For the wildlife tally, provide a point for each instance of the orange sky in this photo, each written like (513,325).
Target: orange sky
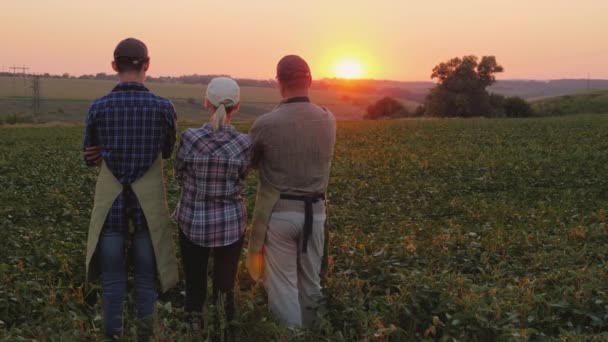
(392,39)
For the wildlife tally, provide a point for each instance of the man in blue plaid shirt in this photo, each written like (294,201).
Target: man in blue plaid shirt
(128,128)
(134,126)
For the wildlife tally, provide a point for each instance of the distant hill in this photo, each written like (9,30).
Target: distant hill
(417,91)
(534,90)
(67,98)
(595,102)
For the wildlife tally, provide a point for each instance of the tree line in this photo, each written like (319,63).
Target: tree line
(461,91)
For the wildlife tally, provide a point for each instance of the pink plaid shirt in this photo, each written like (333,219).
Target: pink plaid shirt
(211,168)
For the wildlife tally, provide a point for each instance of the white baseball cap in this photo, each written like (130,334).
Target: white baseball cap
(223,90)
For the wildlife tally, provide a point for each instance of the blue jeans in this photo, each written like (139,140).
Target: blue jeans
(112,256)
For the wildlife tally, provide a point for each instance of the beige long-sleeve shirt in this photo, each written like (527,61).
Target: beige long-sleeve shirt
(293,147)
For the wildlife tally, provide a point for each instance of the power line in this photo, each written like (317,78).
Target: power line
(36,96)
(23,69)
(14,69)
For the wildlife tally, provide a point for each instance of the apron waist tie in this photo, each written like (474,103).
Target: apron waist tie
(128,196)
(308,202)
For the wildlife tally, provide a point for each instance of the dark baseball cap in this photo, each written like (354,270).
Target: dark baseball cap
(292,68)
(132,49)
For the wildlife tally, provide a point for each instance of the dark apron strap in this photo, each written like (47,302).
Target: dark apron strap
(128,209)
(307,223)
(127,197)
(308,202)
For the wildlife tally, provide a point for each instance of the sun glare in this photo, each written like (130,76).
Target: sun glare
(349,69)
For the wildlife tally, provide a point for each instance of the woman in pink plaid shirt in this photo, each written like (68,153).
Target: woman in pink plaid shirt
(211,165)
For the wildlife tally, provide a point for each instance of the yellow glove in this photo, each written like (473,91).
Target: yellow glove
(255,264)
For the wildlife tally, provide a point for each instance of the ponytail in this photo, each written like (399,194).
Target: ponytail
(219,118)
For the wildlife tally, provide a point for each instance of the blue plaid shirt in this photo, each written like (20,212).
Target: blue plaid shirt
(132,126)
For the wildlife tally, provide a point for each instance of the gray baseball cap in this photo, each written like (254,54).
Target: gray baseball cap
(132,49)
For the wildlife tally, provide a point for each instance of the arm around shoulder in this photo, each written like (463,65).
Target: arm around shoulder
(179,165)
(90,146)
(257,143)
(171,136)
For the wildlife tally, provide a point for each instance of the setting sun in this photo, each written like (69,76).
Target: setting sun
(348,69)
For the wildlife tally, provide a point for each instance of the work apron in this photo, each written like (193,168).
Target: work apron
(150,192)
(266,198)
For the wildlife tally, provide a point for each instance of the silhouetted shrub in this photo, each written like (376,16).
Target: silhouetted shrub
(386,107)
(516,107)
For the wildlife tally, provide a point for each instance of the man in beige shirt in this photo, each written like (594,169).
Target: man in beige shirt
(293,148)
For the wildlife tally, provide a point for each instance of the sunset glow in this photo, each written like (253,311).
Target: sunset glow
(348,69)
(393,40)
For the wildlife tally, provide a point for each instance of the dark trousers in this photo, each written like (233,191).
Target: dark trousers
(225,262)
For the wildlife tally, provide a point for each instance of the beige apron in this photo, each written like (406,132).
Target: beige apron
(150,192)
(266,198)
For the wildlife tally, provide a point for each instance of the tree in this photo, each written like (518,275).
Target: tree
(461,88)
(486,70)
(386,107)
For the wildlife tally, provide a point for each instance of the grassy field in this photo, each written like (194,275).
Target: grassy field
(69,99)
(468,230)
(590,102)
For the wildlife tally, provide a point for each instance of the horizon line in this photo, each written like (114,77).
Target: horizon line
(8,73)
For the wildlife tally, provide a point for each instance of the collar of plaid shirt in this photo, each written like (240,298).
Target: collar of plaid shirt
(226,128)
(126,86)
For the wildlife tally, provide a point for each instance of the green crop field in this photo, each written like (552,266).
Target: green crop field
(68,100)
(449,230)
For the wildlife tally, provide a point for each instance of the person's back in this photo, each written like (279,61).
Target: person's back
(298,139)
(211,168)
(134,126)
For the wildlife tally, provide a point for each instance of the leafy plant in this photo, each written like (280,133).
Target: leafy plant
(11,119)
(468,230)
